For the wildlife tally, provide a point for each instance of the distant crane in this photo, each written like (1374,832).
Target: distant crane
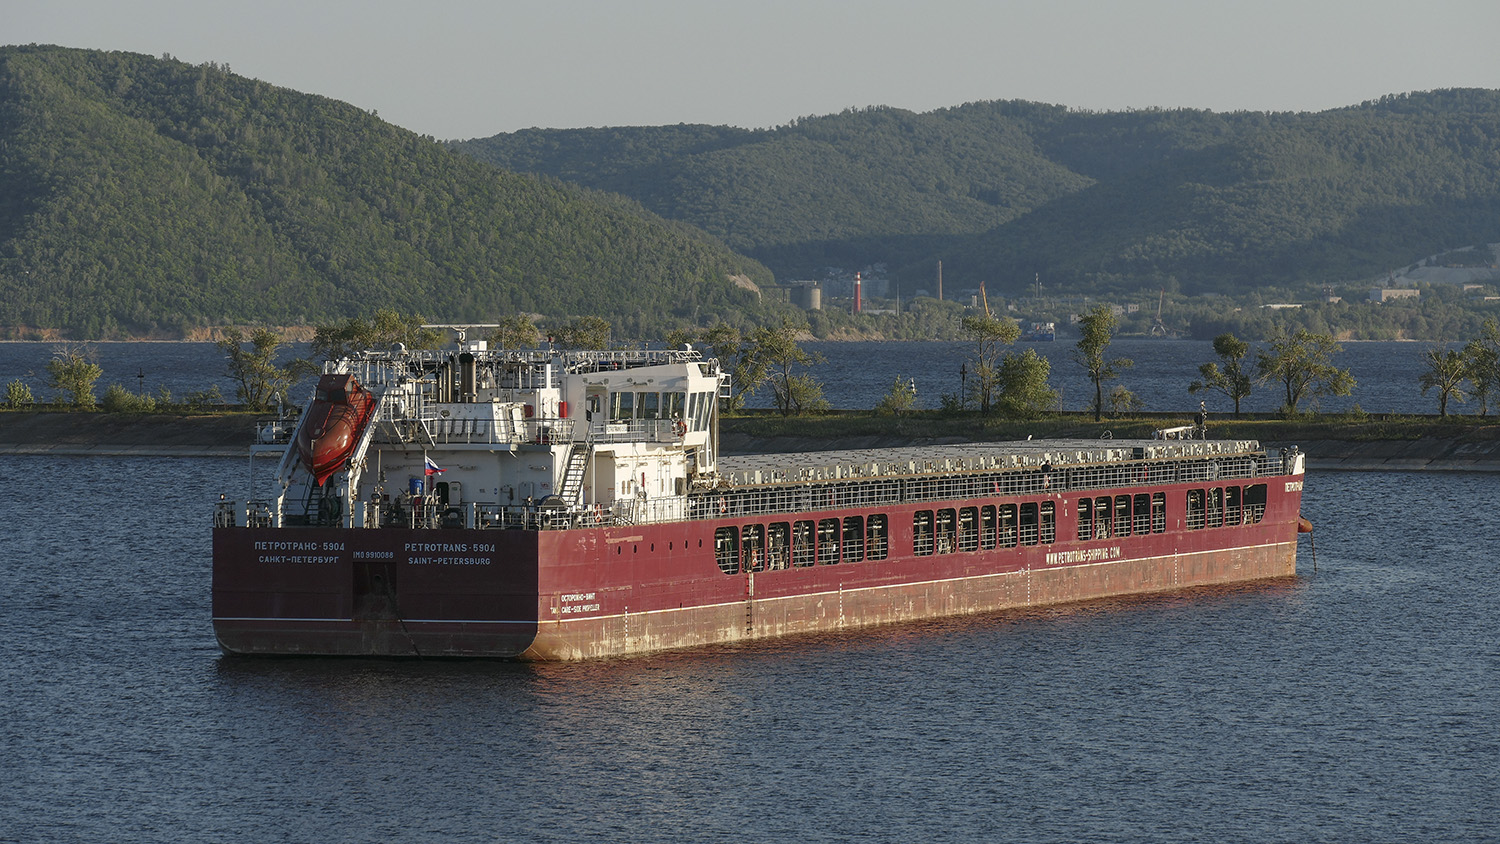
(1159,328)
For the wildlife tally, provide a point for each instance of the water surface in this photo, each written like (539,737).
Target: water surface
(1356,703)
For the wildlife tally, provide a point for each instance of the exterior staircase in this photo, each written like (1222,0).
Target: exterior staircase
(572,484)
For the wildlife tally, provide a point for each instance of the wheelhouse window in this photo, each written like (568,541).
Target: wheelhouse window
(648,405)
(622,407)
(705,410)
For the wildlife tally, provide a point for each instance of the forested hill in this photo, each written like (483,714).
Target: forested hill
(142,195)
(1001,191)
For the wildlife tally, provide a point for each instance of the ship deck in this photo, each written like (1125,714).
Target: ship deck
(794,467)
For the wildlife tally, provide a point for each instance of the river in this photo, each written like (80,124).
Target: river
(1352,703)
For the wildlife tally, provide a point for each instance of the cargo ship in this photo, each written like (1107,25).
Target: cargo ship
(560,505)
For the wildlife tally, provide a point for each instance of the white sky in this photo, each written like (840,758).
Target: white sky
(466,68)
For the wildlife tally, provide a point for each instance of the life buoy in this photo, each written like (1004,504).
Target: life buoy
(679,428)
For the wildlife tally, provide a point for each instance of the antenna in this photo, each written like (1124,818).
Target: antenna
(462,329)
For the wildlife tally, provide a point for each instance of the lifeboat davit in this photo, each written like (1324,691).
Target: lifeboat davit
(332,425)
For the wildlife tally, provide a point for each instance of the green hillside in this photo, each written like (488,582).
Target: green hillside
(1094,202)
(142,195)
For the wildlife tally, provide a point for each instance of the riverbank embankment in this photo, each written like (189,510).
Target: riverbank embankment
(1342,445)
(127,435)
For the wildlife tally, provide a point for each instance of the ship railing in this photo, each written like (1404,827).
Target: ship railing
(376,367)
(275,432)
(227,514)
(776,498)
(533,517)
(492,430)
(603,361)
(540,431)
(259,514)
(634,431)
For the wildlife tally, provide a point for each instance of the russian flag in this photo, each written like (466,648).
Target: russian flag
(432,468)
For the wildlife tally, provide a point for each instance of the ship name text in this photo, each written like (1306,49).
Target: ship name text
(268,545)
(1083,555)
(450,547)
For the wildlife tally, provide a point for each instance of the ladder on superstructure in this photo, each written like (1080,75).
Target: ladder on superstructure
(578,462)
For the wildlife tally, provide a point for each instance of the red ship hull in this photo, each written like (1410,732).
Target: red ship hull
(592,592)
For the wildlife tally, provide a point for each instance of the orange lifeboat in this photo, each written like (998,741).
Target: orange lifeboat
(333,423)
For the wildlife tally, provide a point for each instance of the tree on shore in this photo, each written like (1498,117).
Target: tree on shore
(258,378)
(383,331)
(901,398)
(1482,360)
(18,395)
(735,354)
(516,331)
(588,332)
(1447,371)
(1229,375)
(778,351)
(73,373)
(1024,392)
(1303,363)
(990,335)
(1091,352)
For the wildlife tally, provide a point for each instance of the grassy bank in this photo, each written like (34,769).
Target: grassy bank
(839,429)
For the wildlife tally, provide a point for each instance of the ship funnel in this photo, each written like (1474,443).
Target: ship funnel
(467,378)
